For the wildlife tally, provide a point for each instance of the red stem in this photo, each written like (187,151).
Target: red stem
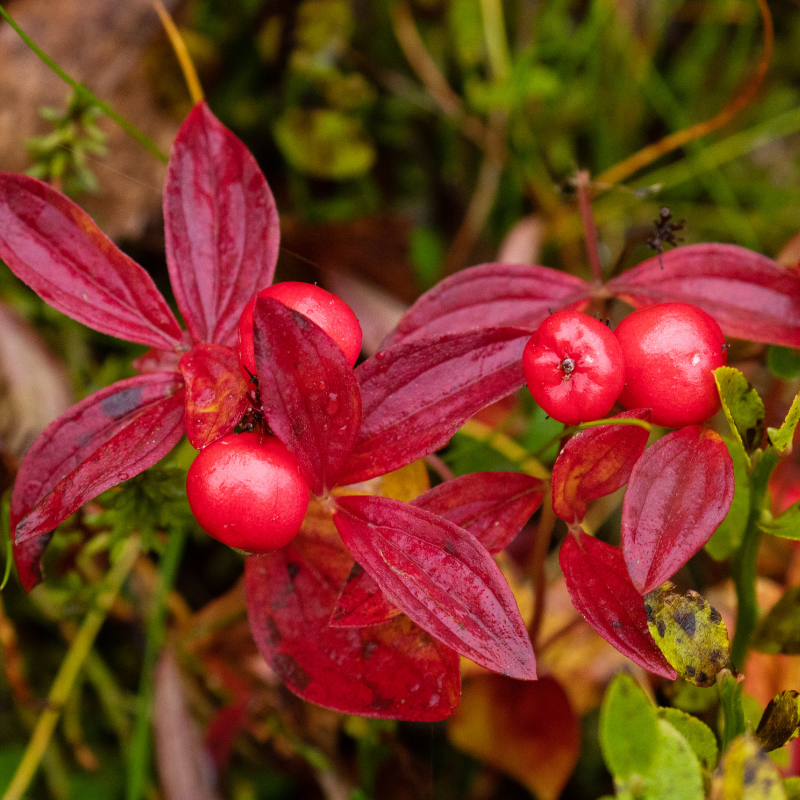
(589,228)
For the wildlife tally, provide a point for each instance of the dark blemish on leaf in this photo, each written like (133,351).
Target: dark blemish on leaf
(292,569)
(367,649)
(750,773)
(121,403)
(715,617)
(702,678)
(274,634)
(649,611)
(714,656)
(661,628)
(290,671)
(616,624)
(687,621)
(450,548)
(690,671)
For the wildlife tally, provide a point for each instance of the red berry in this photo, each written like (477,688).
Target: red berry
(670,350)
(574,368)
(247,491)
(333,315)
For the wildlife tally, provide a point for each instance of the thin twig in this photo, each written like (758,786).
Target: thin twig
(544,535)
(130,129)
(589,228)
(70,669)
(182,54)
(623,170)
(482,200)
(426,69)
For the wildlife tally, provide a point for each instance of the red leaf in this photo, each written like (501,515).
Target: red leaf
(490,295)
(417,395)
(394,671)
(107,438)
(361,602)
(28,559)
(749,295)
(492,506)
(441,577)
(596,462)
(309,392)
(601,589)
(54,246)
(221,227)
(216,392)
(679,492)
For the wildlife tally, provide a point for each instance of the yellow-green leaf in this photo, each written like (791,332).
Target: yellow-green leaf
(690,633)
(743,408)
(746,772)
(628,729)
(787,525)
(675,773)
(782,437)
(699,736)
(780,722)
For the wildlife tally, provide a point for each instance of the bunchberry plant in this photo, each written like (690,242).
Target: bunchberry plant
(430,560)
(574,368)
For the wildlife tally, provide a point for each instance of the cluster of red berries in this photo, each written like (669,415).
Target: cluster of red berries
(247,489)
(660,357)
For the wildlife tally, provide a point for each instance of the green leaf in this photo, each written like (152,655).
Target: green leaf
(787,525)
(743,408)
(792,788)
(690,633)
(747,773)
(728,536)
(730,698)
(324,143)
(675,773)
(780,722)
(783,362)
(782,437)
(628,729)
(779,630)
(699,736)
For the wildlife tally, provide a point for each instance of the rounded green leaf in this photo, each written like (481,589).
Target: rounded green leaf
(628,729)
(699,736)
(675,773)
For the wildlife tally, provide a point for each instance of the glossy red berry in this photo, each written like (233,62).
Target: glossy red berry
(247,491)
(670,350)
(333,315)
(573,366)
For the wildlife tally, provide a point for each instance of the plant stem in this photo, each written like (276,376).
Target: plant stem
(589,227)
(494,28)
(744,562)
(70,668)
(181,53)
(140,746)
(128,127)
